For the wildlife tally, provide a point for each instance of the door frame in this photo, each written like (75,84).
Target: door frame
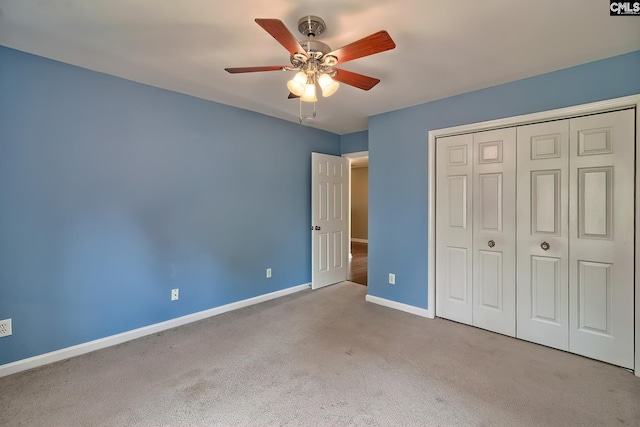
(632,101)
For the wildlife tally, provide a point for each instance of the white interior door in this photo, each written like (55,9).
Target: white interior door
(494,230)
(454,227)
(329,219)
(543,236)
(601,243)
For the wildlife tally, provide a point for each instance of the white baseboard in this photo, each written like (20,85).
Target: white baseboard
(77,350)
(400,306)
(360,240)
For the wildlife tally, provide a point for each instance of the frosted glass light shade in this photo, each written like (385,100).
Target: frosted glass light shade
(297,84)
(309,94)
(328,85)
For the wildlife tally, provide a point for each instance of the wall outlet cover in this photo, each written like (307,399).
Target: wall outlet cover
(5,328)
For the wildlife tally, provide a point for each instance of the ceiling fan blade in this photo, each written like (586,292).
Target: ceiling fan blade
(279,31)
(293,96)
(256,69)
(375,43)
(354,79)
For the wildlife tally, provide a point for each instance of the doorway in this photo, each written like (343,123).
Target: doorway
(358,216)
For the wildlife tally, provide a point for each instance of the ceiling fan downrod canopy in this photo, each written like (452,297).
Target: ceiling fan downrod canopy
(311,26)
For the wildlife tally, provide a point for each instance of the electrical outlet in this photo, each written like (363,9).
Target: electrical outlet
(392,279)
(175,294)
(268,273)
(5,328)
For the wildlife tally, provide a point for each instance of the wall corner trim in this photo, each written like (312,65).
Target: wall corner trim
(77,350)
(400,306)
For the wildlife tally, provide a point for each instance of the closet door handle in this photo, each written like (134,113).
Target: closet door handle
(545,246)
(491,243)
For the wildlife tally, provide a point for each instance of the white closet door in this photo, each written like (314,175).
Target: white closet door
(454,228)
(601,244)
(543,235)
(494,230)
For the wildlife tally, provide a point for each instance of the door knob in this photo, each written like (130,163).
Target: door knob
(545,246)
(491,243)
(317,228)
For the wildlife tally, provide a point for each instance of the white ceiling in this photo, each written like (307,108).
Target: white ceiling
(443,48)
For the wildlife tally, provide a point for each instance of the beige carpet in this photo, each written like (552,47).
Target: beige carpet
(323,358)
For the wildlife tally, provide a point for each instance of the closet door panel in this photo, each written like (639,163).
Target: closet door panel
(542,266)
(494,230)
(454,228)
(601,256)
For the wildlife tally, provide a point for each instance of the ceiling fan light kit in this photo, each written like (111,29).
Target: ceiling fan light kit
(328,85)
(297,83)
(315,61)
(309,94)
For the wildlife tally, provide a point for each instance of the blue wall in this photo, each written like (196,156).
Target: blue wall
(112,193)
(354,142)
(398,160)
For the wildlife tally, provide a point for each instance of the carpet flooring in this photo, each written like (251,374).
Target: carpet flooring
(323,358)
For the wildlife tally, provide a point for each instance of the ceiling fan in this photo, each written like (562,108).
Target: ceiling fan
(315,61)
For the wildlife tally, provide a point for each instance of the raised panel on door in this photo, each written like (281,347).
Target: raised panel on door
(494,230)
(601,257)
(489,285)
(322,216)
(594,297)
(457,195)
(542,247)
(338,245)
(546,287)
(322,247)
(453,228)
(456,275)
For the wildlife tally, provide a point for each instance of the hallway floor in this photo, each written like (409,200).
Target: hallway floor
(358,264)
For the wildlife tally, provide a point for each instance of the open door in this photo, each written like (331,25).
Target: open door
(329,219)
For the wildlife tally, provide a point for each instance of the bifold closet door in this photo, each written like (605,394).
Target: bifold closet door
(576,235)
(454,228)
(543,235)
(475,226)
(601,237)
(494,230)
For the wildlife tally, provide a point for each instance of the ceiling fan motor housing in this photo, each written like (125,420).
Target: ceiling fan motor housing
(315,50)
